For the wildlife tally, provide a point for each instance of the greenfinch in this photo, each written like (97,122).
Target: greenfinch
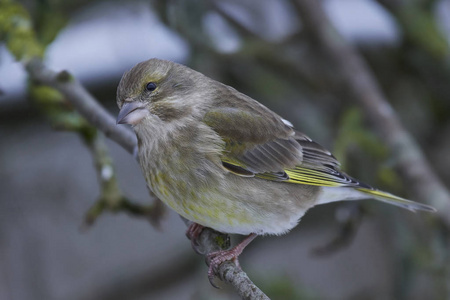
(223,160)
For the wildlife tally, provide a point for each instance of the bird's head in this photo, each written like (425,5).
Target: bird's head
(155,87)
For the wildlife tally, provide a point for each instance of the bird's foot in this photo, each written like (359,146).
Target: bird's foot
(218,257)
(193,233)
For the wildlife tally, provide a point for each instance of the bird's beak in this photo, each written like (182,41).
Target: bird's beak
(132,113)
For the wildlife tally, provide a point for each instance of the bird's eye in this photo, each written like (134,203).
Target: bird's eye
(151,86)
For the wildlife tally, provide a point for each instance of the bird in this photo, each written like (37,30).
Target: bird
(224,161)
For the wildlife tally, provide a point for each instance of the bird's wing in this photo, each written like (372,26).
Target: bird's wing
(259,143)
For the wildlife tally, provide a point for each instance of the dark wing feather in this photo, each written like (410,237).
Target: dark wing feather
(273,156)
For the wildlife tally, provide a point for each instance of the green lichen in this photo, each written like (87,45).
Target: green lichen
(48,20)
(64,76)
(420,26)
(223,241)
(17,32)
(45,95)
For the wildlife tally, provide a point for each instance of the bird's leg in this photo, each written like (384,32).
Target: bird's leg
(193,233)
(218,257)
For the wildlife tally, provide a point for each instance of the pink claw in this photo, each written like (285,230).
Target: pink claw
(218,257)
(193,233)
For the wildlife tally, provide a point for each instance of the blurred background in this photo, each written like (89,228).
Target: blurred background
(48,178)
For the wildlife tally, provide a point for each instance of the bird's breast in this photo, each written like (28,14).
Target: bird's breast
(180,162)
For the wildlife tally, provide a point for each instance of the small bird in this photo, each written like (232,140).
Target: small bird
(223,160)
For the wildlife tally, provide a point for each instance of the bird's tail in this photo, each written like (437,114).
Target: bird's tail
(331,194)
(395,200)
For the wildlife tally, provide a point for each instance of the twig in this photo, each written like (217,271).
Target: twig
(111,198)
(356,78)
(84,103)
(95,114)
(228,271)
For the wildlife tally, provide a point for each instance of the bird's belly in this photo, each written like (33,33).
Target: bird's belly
(232,204)
(207,204)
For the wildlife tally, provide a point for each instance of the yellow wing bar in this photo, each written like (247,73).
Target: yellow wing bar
(321,178)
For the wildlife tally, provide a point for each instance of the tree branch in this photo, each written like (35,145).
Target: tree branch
(97,116)
(356,78)
(227,271)
(84,103)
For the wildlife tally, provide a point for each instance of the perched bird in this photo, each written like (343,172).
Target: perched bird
(224,161)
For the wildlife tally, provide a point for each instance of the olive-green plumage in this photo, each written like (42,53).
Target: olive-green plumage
(223,160)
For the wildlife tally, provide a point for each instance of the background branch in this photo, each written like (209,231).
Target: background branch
(356,78)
